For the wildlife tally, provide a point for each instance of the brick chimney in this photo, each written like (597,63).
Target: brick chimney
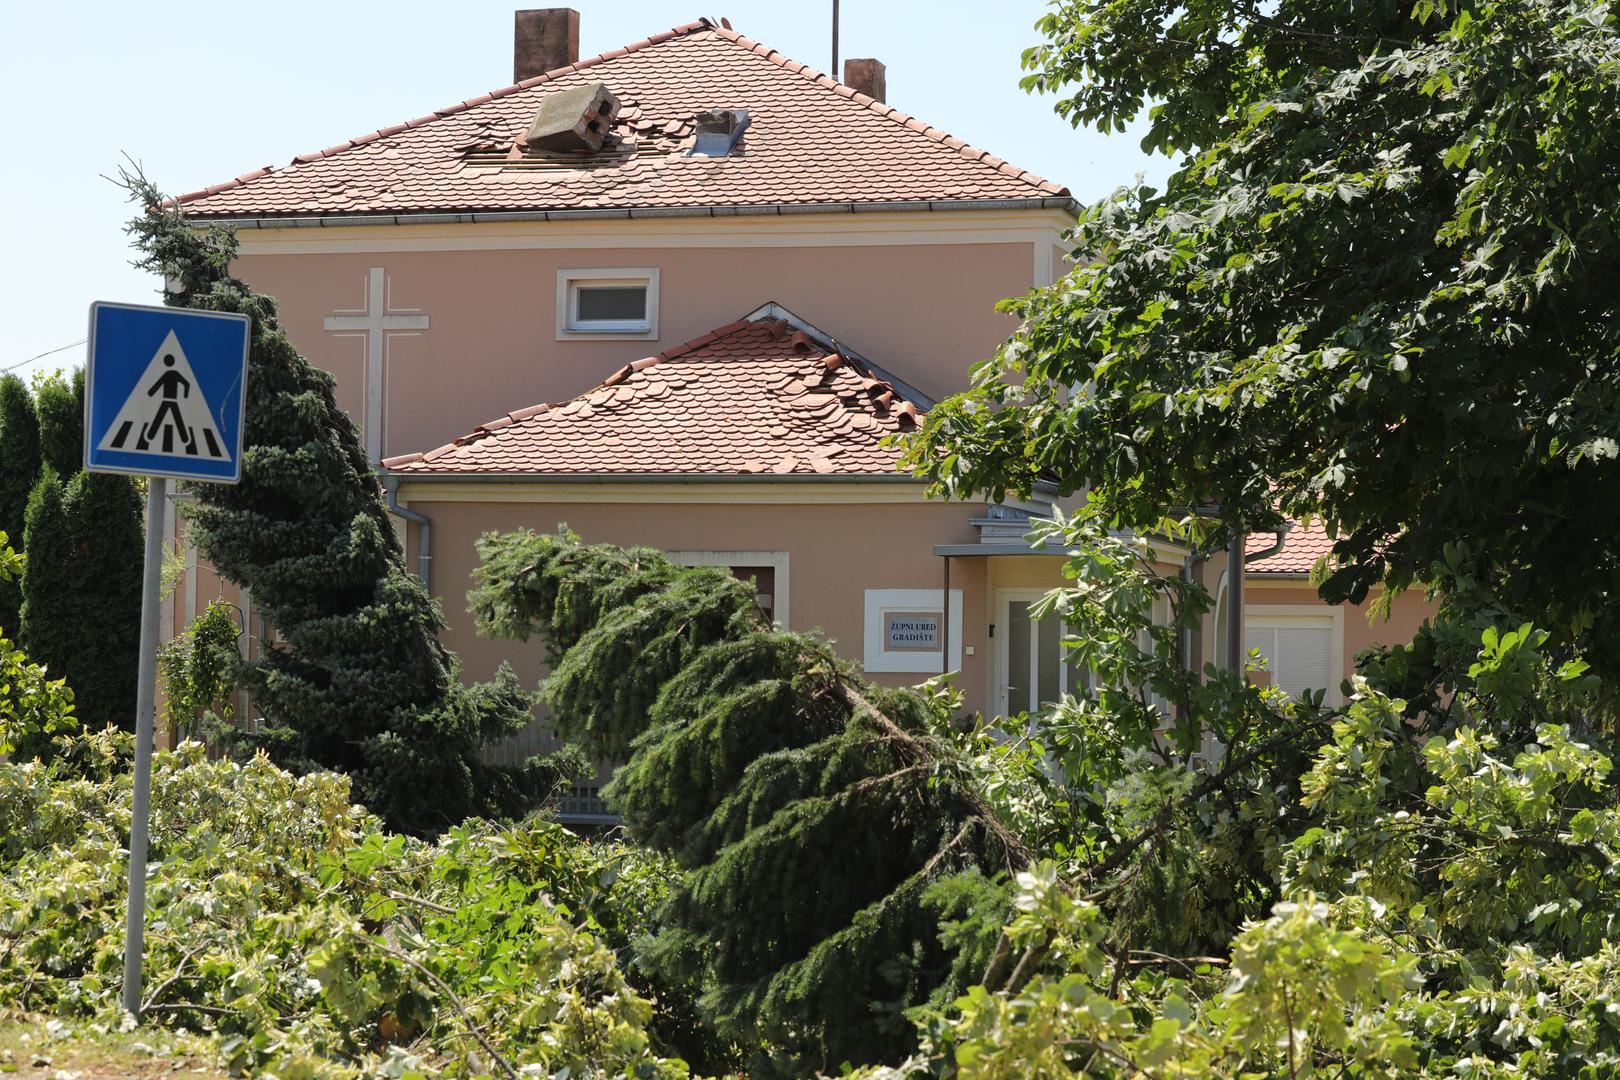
(868,76)
(543,39)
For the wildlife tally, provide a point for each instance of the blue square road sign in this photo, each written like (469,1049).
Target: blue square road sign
(164,391)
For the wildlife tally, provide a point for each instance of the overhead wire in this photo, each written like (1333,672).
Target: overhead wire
(41,356)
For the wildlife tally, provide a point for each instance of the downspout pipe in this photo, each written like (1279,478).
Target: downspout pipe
(1237,562)
(1268,552)
(1195,556)
(1234,600)
(1237,559)
(424,526)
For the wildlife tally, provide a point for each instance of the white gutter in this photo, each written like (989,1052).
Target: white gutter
(424,524)
(272,221)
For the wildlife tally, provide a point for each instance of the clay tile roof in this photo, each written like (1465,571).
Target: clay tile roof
(740,399)
(808,141)
(1304,545)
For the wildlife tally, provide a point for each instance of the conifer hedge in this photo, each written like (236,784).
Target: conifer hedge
(19,468)
(82,590)
(59,400)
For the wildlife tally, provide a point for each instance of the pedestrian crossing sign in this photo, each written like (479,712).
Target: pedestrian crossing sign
(164,392)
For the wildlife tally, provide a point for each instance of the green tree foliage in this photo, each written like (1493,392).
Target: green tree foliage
(1339,894)
(59,399)
(48,580)
(19,468)
(82,592)
(812,810)
(285,923)
(33,706)
(358,681)
(1379,290)
(199,671)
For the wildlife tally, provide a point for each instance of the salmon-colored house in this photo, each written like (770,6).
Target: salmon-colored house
(678,294)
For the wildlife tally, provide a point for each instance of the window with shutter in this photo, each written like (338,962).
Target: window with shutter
(1301,651)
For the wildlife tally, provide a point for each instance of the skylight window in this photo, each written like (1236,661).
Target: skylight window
(607,303)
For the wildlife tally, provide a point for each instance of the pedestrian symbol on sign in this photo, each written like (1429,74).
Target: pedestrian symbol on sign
(162,414)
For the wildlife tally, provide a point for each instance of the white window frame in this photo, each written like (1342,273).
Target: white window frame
(776,560)
(881,601)
(1217,620)
(569,326)
(1000,676)
(1283,616)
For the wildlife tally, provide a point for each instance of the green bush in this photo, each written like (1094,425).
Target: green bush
(19,468)
(32,705)
(199,671)
(289,924)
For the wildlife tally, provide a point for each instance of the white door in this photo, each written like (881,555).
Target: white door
(1031,670)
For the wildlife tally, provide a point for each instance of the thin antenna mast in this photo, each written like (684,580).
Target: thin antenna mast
(834,73)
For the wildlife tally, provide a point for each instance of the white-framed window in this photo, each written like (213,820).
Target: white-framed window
(767,569)
(1303,646)
(607,302)
(904,629)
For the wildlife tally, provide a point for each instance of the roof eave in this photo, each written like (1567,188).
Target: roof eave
(411,476)
(1063,203)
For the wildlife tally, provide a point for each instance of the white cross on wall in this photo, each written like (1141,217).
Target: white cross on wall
(377,321)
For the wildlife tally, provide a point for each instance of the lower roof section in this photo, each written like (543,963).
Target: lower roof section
(766,396)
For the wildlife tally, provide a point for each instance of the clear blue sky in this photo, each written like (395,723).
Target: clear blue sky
(199,92)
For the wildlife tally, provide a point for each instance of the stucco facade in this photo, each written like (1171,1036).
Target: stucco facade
(914,292)
(917,296)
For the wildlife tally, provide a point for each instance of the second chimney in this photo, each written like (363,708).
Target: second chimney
(544,39)
(868,76)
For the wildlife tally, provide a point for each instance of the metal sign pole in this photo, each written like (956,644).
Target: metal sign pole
(157,488)
(165,390)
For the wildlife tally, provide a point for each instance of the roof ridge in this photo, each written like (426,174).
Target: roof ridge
(906,120)
(451,110)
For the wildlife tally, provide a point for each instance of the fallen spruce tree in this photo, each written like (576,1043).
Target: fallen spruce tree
(813,810)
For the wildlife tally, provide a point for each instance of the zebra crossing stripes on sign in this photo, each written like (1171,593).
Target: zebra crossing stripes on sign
(163,409)
(164,392)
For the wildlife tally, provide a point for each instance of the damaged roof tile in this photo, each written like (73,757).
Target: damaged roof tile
(775,405)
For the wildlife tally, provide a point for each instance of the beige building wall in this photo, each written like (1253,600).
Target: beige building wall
(914,293)
(924,312)
(836,551)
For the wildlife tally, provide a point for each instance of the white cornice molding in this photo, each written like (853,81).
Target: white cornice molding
(1045,227)
(420,490)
